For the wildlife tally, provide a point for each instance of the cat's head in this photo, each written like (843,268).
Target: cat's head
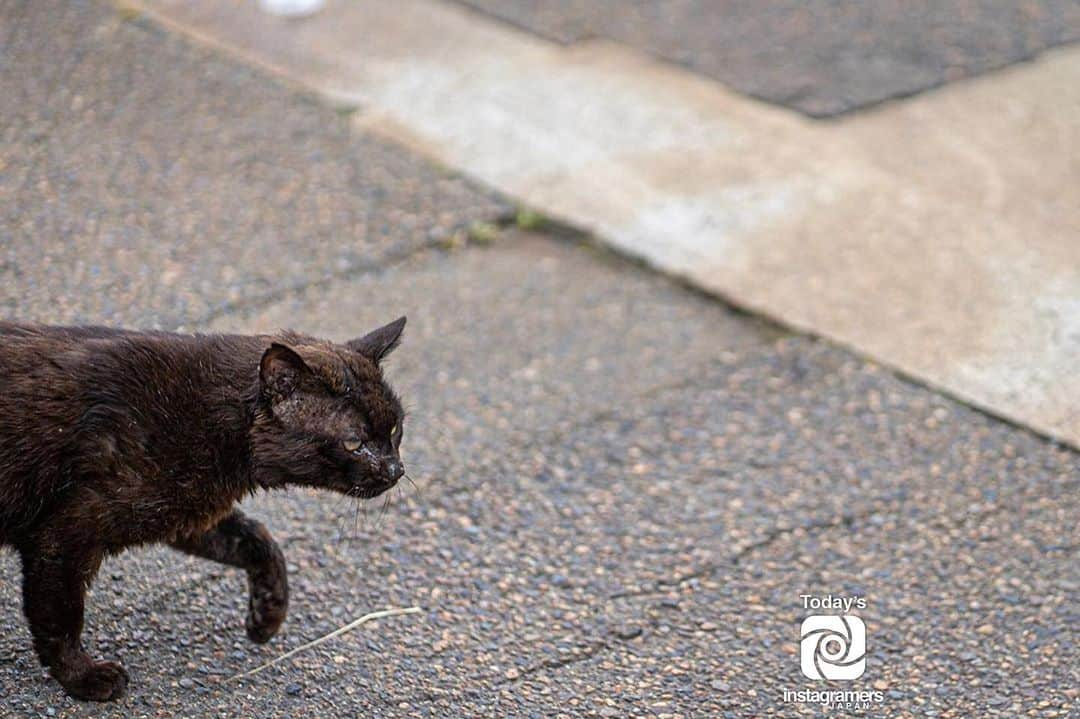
(326,418)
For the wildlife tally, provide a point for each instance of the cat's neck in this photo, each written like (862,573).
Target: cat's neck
(225,370)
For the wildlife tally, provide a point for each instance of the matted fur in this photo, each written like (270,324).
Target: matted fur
(114,438)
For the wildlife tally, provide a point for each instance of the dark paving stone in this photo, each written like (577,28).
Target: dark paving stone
(821,57)
(144,181)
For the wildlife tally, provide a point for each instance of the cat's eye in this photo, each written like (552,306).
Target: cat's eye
(396,429)
(352,445)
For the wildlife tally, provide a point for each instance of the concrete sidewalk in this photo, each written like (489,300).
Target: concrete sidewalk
(623,485)
(938,235)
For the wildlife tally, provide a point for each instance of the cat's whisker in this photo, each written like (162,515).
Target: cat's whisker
(382,510)
(356,517)
(349,499)
(419,491)
(343,514)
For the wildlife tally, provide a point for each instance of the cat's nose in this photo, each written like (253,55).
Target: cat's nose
(395,469)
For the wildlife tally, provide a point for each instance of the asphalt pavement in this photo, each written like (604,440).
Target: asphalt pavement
(146,181)
(622,486)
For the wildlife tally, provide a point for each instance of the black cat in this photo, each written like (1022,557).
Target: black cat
(113,438)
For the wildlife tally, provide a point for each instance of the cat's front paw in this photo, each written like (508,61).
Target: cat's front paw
(266,612)
(95,681)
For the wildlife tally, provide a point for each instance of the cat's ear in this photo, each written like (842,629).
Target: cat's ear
(381,342)
(281,369)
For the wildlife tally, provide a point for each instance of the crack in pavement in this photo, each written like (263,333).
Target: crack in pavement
(846,520)
(436,244)
(596,647)
(359,269)
(577,654)
(592,646)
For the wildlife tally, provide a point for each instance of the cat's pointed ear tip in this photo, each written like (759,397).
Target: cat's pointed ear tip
(381,342)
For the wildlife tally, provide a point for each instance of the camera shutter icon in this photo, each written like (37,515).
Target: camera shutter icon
(833,646)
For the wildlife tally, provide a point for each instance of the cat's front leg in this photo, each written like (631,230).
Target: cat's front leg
(245,543)
(56,574)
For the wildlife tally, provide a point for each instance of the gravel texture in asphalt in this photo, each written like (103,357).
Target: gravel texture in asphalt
(149,182)
(591,538)
(820,57)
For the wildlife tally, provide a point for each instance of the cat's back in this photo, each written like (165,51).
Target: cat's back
(50,377)
(31,349)
(53,374)
(41,363)
(30,357)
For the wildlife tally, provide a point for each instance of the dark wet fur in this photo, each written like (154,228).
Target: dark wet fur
(111,439)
